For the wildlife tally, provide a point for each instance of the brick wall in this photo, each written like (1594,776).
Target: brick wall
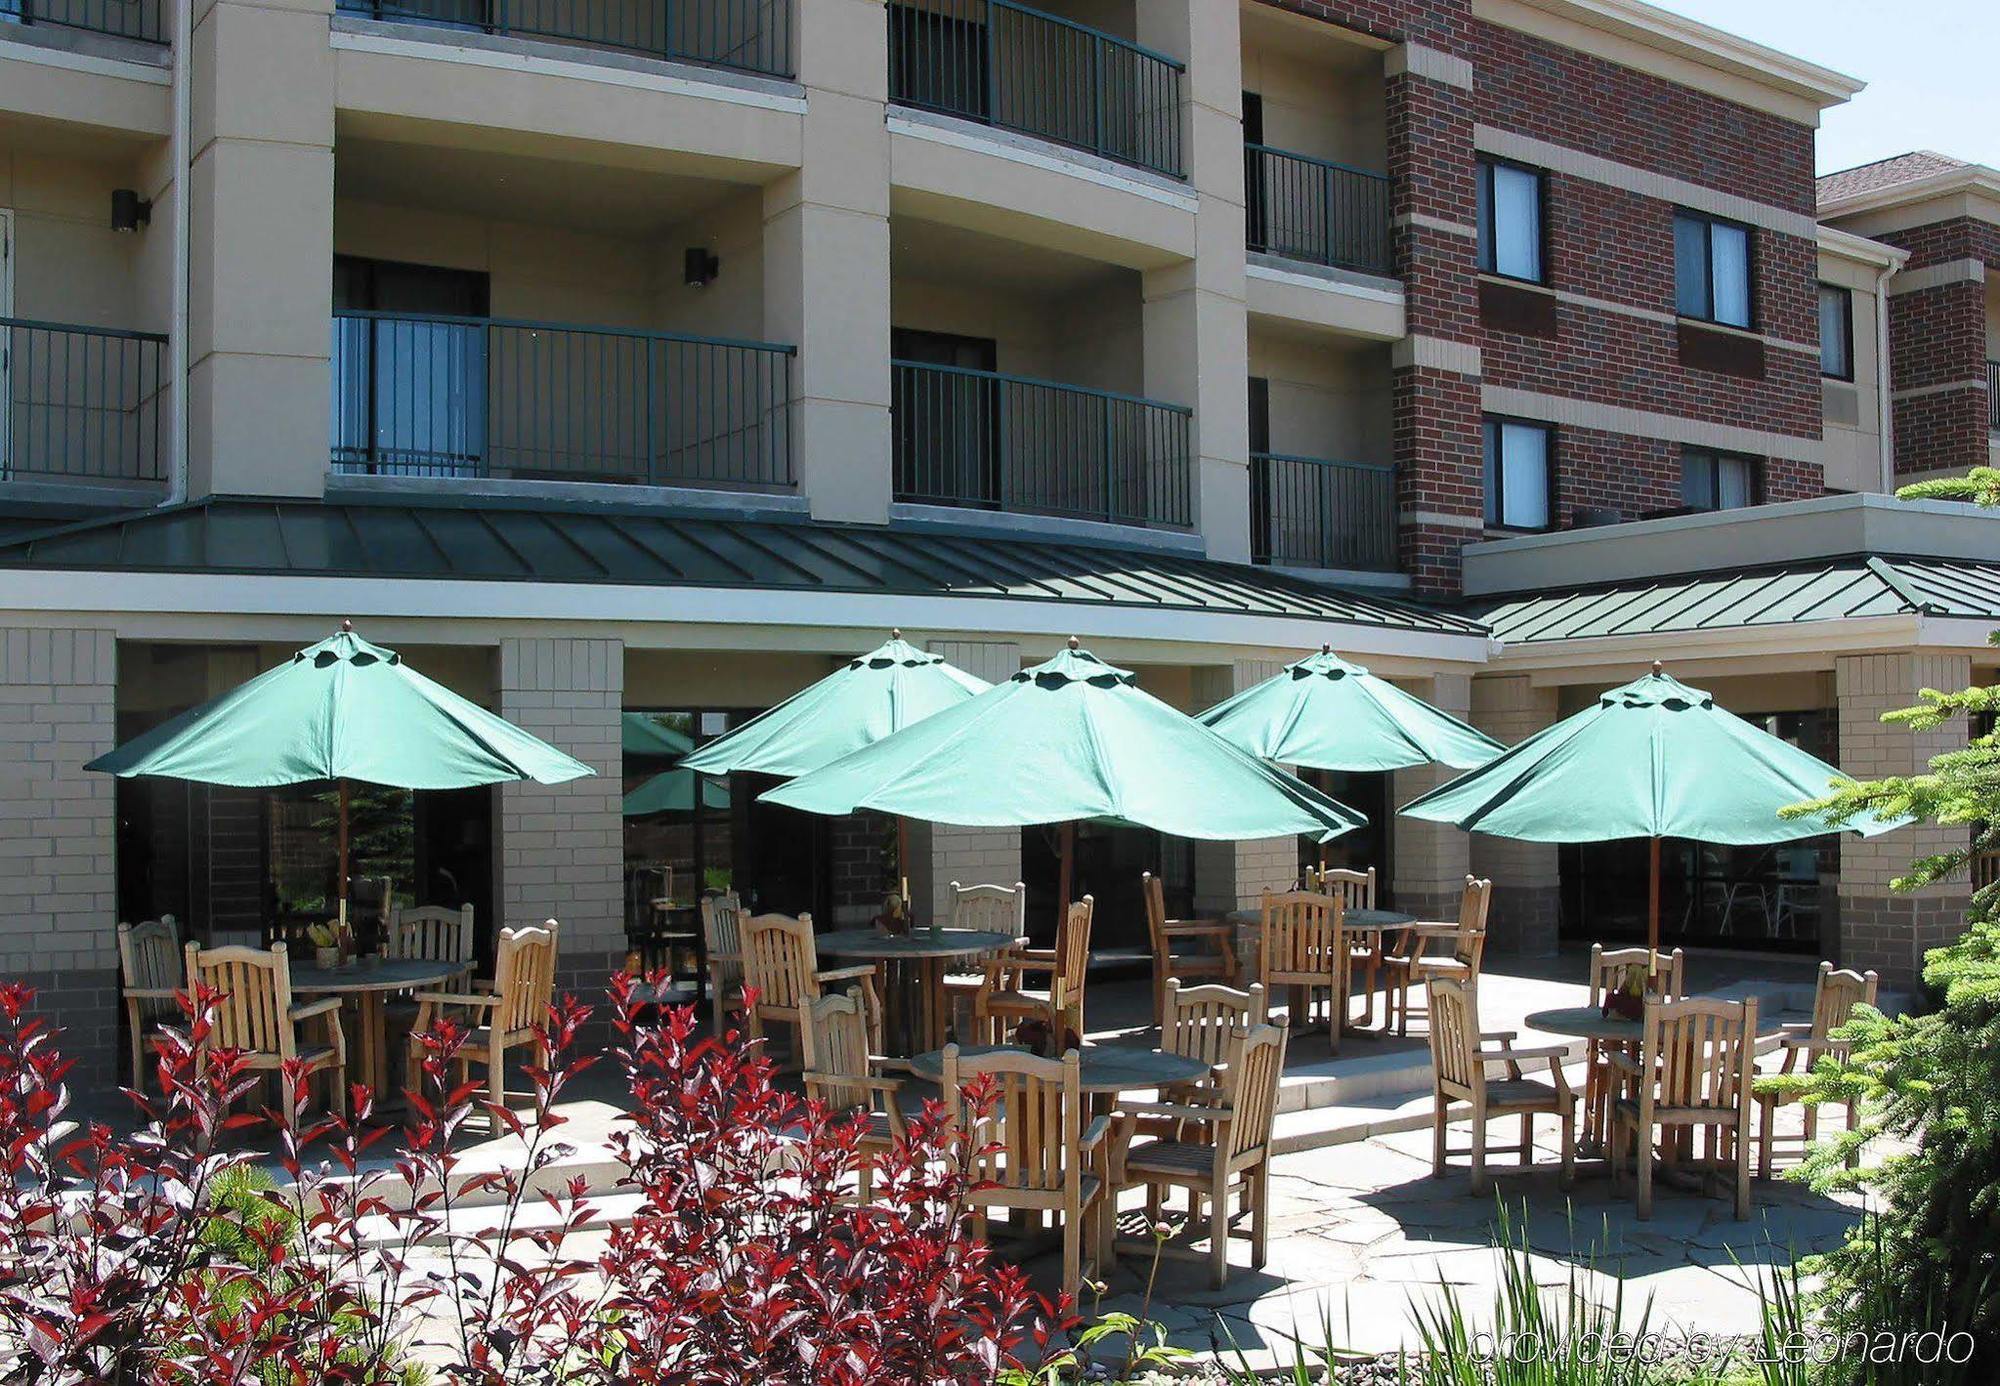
(58,874)
(1431,859)
(1937,344)
(1525,914)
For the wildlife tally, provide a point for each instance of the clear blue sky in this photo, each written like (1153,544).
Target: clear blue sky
(1930,66)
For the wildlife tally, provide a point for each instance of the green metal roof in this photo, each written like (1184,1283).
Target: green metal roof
(1819,591)
(498,541)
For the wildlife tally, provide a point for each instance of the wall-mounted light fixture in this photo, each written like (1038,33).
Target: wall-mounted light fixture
(129,211)
(699,267)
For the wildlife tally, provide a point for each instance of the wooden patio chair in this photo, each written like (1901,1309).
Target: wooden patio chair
(1356,890)
(1033,1151)
(1304,947)
(995,909)
(257,1017)
(1234,1156)
(843,1073)
(1419,955)
(781,965)
(1696,1064)
(722,942)
(1835,995)
(152,970)
(431,933)
(1666,979)
(1009,995)
(1459,1059)
(512,1015)
(1202,1023)
(1216,961)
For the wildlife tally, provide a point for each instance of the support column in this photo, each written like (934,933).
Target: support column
(561,847)
(1880,928)
(58,872)
(941,853)
(261,201)
(826,264)
(1526,876)
(1431,860)
(1235,875)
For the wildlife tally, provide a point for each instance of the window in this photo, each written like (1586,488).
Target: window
(1717,480)
(1518,475)
(1510,221)
(1836,332)
(1712,269)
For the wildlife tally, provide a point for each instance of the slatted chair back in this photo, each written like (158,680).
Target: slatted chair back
(1302,936)
(1836,995)
(1667,978)
(430,932)
(722,934)
(1704,1051)
(255,990)
(1072,968)
(834,1040)
(779,961)
(1201,1022)
(995,909)
(1155,896)
(150,958)
(1033,1129)
(524,977)
(1256,1062)
(1473,904)
(1454,1027)
(1356,889)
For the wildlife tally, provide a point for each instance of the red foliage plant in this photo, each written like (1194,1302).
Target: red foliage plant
(738,1253)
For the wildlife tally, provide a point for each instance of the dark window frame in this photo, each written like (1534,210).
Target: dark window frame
(1846,329)
(1485,249)
(1494,513)
(1718,456)
(1709,221)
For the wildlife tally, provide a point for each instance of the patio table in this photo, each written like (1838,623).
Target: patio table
(369,980)
(1369,923)
(914,962)
(1104,1070)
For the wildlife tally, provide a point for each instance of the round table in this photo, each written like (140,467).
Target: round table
(914,990)
(1588,1022)
(1360,921)
(370,980)
(1104,1070)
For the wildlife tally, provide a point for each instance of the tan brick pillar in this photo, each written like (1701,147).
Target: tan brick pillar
(1880,928)
(941,853)
(561,848)
(1430,860)
(1235,875)
(58,872)
(1527,883)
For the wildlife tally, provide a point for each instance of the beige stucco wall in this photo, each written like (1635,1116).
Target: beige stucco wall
(1319,100)
(1325,401)
(1091,336)
(1853,410)
(69,265)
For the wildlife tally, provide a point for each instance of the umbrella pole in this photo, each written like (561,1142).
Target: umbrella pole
(1653,901)
(903,857)
(1066,837)
(340,884)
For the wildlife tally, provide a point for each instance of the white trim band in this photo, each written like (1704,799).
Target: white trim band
(1643,423)
(1938,276)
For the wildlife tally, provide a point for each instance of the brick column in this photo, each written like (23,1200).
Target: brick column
(1880,928)
(941,853)
(561,847)
(1527,884)
(58,872)
(1937,353)
(1235,875)
(1430,859)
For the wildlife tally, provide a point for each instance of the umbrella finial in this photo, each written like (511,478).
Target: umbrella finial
(1074,645)
(346,626)
(1325,648)
(1658,668)
(895,632)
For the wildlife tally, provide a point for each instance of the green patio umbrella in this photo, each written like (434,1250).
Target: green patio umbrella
(672,791)
(645,734)
(1653,759)
(341,710)
(1072,738)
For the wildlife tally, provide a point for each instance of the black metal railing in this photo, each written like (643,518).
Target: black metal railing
(1993,396)
(1001,442)
(1311,209)
(1020,69)
(1308,512)
(748,35)
(418,395)
(133,19)
(82,403)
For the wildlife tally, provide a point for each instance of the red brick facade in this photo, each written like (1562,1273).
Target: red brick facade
(1938,349)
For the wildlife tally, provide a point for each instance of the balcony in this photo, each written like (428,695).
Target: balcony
(81,405)
(133,19)
(1008,66)
(986,441)
(1301,208)
(495,398)
(1309,512)
(745,35)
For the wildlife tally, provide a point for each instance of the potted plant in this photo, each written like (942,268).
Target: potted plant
(326,947)
(1627,999)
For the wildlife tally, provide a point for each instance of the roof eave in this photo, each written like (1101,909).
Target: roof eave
(1976,179)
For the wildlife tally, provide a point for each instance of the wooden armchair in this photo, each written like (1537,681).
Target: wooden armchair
(781,965)
(846,1076)
(1201,1022)
(1304,948)
(1010,993)
(434,934)
(1665,978)
(993,909)
(1835,996)
(1696,1064)
(722,943)
(152,970)
(1459,1060)
(257,1016)
(1216,961)
(1356,890)
(1032,1151)
(1427,950)
(1234,1157)
(512,1015)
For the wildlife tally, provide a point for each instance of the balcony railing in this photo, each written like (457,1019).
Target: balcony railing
(133,19)
(1310,209)
(1017,68)
(493,397)
(1993,396)
(1308,512)
(748,35)
(81,404)
(1000,442)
